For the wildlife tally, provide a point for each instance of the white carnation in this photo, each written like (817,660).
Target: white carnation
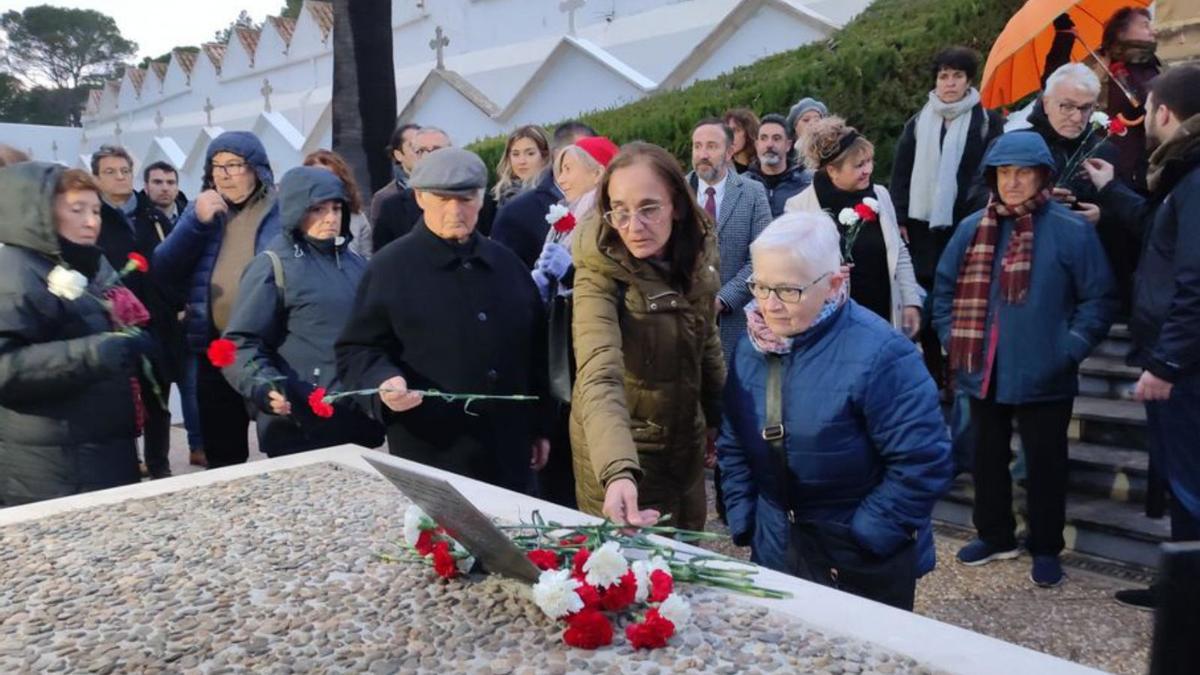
(676,610)
(847,217)
(415,520)
(555,595)
(1100,119)
(606,565)
(556,213)
(641,572)
(871,203)
(66,283)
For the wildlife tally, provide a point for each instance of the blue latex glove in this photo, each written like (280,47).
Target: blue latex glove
(555,260)
(543,284)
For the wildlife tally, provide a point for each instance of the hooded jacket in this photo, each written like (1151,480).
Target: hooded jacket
(184,263)
(649,370)
(1034,348)
(780,188)
(286,335)
(66,405)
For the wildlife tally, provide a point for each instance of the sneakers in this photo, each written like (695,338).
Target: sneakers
(1047,572)
(979,552)
(1138,598)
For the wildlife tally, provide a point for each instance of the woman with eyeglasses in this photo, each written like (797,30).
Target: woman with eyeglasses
(833,450)
(649,366)
(203,258)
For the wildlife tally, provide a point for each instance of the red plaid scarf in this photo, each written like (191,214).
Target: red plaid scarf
(970,309)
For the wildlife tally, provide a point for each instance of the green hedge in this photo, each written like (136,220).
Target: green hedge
(874,72)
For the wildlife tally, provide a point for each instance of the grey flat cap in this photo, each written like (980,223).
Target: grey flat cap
(450,171)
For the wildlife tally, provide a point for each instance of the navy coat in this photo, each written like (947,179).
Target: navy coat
(866,443)
(289,333)
(521,223)
(184,262)
(1036,346)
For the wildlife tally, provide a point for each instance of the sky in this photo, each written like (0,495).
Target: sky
(157,26)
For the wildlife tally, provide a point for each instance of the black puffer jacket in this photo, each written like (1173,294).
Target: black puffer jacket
(66,405)
(288,333)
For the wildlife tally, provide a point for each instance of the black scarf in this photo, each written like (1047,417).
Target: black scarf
(82,258)
(834,199)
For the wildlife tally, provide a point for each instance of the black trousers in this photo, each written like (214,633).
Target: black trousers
(224,420)
(156,436)
(1043,429)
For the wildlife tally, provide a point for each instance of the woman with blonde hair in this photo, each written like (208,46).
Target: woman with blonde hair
(881,271)
(526,154)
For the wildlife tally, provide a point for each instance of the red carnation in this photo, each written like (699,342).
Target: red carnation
(1118,69)
(621,595)
(221,352)
(443,562)
(577,562)
(316,401)
(589,595)
(138,262)
(565,224)
(1116,127)
(588,629)
(543,559)
(424,543)
(651,633)
(661,585)
(573,541)
(865,212)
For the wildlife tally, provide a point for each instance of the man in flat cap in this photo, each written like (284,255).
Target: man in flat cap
(444,308)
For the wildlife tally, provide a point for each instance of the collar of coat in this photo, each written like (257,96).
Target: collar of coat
(442,254)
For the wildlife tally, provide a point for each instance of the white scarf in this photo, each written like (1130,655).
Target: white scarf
(934,184)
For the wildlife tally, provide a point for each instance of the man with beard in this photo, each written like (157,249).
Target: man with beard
(739,208)
(1165,324)
(775,169)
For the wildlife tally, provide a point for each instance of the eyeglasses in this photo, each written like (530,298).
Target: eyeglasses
(232,169)
(646,215)
(1067,109)
(789,295)
(421,152)
(126,171)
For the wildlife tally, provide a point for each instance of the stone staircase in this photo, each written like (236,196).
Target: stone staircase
(1108,467)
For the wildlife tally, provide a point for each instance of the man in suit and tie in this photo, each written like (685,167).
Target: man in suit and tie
(740,208)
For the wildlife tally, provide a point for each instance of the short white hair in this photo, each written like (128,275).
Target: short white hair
(1075,75)
(810,237)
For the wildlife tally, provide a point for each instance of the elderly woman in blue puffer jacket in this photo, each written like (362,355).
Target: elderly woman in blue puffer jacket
(826,395)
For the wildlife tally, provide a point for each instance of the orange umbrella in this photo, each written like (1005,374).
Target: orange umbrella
(1014,66)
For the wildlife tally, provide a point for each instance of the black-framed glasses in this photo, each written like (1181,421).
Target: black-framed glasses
(789,295)
(1067,109)
(621,218)
(231,169)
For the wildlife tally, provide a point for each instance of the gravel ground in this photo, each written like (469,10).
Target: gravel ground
(1078,621)
(248,575)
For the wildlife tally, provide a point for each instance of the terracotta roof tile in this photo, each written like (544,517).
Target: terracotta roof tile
(216,53)
(185,59)
(249,38)
(323,13)
(159,68)
(94,97)
(137,76)
(285,27)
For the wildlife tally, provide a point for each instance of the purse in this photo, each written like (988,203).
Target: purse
(561,357)
(826,552)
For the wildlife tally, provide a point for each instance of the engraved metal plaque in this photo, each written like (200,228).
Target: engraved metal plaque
(461,520)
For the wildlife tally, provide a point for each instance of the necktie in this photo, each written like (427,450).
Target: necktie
(710,204)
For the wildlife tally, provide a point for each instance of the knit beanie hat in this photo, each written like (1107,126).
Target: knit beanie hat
(802,106)
(600,148)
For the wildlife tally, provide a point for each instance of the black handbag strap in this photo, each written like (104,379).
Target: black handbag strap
(773,432)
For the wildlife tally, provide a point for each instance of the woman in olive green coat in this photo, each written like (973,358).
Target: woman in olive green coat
(649,362)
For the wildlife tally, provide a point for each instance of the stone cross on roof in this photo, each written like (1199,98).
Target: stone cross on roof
(569,7)
(158,122)
(439,43)
(266,92)
(83,140)
(54,149)
(208,108)
(117,132)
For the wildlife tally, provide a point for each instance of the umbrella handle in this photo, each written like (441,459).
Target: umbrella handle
(1133,100)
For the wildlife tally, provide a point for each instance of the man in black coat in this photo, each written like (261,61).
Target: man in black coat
(521,224)
(1165,323)
(132,224)
(446,309)
(774,167)
(398,212)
